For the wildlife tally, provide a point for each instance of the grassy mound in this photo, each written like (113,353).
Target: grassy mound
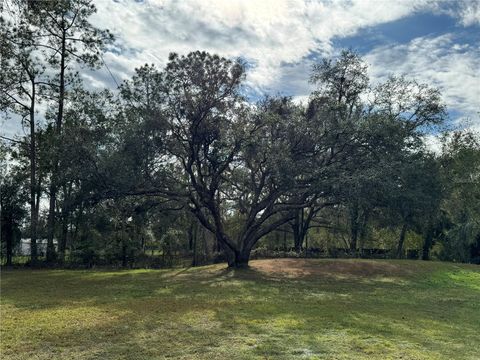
(277,309)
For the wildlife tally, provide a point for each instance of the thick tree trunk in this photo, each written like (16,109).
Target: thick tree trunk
(240,259)
(62,244)
(9,251)
(236,258)
(297,231)
(124,256)
(297,242)
(401,240)
(306,244)
(8,233)
(194,252)
(300,227)
(190,237)
(363,231)
(427,244)
(475,249)
(192,242)
(354,228)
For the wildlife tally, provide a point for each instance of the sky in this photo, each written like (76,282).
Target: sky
(437,42)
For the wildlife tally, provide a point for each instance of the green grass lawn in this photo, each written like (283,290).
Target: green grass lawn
(277,309)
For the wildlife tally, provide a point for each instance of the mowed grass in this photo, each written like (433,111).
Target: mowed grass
(277,309)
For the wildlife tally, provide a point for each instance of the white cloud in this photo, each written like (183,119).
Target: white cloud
(433,143)
(443,61)
(470,13)
(269,33)
(467,12)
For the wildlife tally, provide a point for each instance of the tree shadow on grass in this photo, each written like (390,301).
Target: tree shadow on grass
(56,288)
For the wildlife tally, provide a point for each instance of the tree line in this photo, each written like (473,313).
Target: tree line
(178,160)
